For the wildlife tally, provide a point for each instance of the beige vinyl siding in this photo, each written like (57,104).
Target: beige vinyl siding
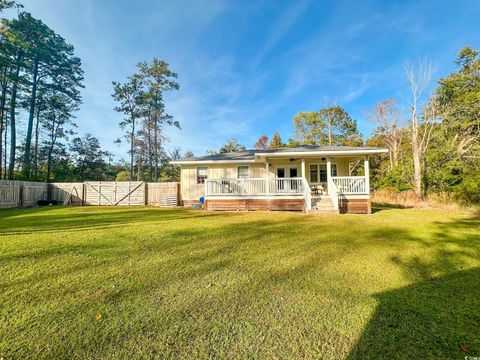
(190,190)
(229,171)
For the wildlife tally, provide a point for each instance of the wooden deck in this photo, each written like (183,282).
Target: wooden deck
(347,205)
(354,206)
(255,205)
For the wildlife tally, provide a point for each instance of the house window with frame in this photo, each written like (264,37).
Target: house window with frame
(323,172)
(334,169)
(242,172)
(202,174)
(314,173)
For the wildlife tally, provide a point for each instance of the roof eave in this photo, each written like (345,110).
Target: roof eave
(206,162)
(324,152)
(262,155)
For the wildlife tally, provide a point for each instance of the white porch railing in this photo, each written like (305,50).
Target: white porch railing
(282,186)
(333,192)
(307,194)
(350,184)
(254,186)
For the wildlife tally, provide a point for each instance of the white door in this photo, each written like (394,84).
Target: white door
(286,172)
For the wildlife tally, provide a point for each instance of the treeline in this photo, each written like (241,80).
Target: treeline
(40,79)
(40,84)
(330,126)
(433,138)
(141,100)
(437,151)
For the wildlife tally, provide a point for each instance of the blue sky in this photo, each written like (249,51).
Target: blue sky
(246,67)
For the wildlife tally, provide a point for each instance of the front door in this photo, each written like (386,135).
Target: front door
(286,172)
(293,183)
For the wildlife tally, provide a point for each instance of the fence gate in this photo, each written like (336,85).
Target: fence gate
(114,193)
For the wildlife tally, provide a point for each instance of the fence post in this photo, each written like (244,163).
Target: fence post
(114,195)
(84,193)
(178,193)
(145,193)
(20,195)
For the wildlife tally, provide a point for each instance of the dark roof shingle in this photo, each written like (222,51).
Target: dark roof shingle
(250,154)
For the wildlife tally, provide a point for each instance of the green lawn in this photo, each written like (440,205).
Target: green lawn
(97,282)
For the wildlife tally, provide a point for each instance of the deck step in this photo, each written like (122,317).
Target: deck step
(322,204)
(324,212)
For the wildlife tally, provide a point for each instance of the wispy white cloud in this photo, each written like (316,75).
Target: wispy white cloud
(289,17)
(357,90)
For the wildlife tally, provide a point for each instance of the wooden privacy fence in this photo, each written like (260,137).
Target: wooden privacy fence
(110,193)
(163,194)
(21,193)
(114,193)
(67,193)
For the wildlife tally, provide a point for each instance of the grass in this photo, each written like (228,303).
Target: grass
(97,282)
(408,199)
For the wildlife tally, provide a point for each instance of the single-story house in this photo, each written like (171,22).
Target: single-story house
(331,179)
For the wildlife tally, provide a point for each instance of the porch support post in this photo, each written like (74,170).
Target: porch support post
(329,174)
(367,174)
(303,168)
(267,175)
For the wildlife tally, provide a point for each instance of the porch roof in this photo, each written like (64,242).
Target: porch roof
(256,155)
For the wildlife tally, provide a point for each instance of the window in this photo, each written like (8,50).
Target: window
(201,175)
(242,172)
(334,169)
(323,171)
(314,173)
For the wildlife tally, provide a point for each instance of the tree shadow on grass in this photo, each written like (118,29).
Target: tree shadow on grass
(432,318)
(438,315)
(210,286)
(58,219)
(377,207)
(436,318)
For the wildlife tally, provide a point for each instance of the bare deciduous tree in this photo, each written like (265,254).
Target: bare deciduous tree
(422,117)
(387,115)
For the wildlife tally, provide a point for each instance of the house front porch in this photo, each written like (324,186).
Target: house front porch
(311,184)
